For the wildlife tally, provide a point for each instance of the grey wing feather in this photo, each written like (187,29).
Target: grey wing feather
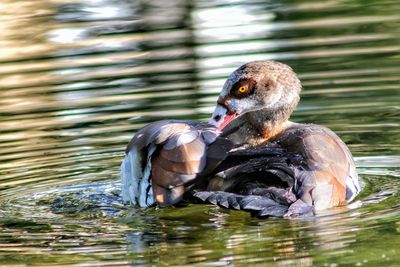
(136,180)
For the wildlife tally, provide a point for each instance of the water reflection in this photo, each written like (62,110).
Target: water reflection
(83,75)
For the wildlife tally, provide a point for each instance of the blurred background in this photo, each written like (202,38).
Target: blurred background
(78,78)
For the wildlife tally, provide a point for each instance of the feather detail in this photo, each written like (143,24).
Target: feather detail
(163,160)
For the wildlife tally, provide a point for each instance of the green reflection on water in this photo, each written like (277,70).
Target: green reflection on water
(78,78)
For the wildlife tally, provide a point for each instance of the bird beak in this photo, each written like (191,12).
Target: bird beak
(221,117)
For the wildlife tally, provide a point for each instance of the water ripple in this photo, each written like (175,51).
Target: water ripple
(82,76)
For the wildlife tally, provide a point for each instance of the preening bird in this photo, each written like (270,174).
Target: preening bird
(248,157)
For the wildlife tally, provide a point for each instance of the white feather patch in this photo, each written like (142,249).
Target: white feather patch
(352,185)
(145,194)
(131,174)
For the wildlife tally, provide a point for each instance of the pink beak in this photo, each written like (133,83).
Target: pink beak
(226,121)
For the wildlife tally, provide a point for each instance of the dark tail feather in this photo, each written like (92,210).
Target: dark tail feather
(258,206)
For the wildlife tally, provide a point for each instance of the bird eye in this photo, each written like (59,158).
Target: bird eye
(242,89)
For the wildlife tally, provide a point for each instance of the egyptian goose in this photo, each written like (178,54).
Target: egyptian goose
(248,157)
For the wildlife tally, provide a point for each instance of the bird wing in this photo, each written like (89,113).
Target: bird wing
(255,179)
(328,177)
(163,160)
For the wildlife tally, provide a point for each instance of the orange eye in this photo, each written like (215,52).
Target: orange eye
(242,89)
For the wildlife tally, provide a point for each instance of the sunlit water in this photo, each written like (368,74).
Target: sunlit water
(78,78)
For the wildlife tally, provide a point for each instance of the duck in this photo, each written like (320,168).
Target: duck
(249,156)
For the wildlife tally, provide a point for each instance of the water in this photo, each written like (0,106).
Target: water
(79,77)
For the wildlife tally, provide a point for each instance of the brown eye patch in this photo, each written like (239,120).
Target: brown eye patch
(243,88)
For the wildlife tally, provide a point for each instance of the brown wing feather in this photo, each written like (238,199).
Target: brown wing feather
(186,167)
(169,179)
(175,167)
(193,151)
(165,197)
(171,154)
(327,166)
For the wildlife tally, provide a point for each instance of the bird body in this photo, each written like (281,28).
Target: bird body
(249,156)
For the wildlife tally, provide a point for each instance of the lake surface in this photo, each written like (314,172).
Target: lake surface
(79,77)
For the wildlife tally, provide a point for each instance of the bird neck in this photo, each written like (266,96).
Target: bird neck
(268,123)
(259,126)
